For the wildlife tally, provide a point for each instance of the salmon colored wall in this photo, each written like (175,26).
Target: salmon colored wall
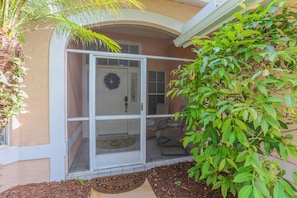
(172,9)
(33,127)
(20,173)
(292,2)
(72,127)
(74,95)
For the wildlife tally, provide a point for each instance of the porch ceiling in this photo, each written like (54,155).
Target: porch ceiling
(139,30)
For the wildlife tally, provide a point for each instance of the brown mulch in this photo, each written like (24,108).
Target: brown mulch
(167,182)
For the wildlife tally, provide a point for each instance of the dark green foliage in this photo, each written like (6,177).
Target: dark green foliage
(241,92)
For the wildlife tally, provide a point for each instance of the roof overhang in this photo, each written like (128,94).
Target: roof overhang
(210,18)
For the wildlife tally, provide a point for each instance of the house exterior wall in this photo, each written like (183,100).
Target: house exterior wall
(32,153)
(24,172)
(30,138)
(34,127)
(30,129)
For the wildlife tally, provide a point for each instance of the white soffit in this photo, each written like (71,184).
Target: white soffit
(200,3)
(210,18)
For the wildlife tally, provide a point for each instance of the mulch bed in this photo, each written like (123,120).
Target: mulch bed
(167,182)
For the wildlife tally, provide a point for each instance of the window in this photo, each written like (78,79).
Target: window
(4,136)
(156,90)
(125,48)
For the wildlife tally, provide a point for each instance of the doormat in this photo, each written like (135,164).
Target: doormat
(115,143)
(118,183)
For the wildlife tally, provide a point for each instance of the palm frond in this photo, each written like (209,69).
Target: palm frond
(55,12)
(82,35)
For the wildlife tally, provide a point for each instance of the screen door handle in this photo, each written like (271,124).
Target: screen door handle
(126,103)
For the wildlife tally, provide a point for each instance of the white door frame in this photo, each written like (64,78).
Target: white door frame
(135,157)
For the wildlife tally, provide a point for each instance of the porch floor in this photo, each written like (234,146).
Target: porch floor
(153,159)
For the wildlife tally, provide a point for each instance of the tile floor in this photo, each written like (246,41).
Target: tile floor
(79,167)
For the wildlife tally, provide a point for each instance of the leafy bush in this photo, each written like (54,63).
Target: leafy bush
(241,92)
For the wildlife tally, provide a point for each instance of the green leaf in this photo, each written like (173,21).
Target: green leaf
(231,35)
(245,191)
(205,167)
(240,124)
(295,177)
(278,190)
(258,121)
(205,61)
(270,110)
(275,99)
(290,100)
(264,127)
(262,89)
(292,150)
(253,113)
(224,190)
(232,163)
(245,115)
(222,164)
(226,129)
(242,177)
(283,152)
(238,15)
(262,187)
(287,187)
(232,137)
(272,122)
(256,75)
(217,185)
(241,137)
(247,32)
(257,193)
(241,156)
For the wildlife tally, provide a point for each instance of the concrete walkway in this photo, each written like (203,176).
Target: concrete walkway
(144,191)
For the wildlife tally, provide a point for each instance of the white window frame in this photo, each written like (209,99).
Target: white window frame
(4,137)
(120,42)
(156,94)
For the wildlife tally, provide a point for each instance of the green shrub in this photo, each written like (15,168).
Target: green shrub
(241,92)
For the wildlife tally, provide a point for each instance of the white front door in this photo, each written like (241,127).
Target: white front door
(111,99)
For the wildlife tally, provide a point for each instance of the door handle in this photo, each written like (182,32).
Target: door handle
(126,103)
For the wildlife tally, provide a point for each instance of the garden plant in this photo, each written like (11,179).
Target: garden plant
(240,93)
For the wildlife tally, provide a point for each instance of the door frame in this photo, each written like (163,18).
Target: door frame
(92,111)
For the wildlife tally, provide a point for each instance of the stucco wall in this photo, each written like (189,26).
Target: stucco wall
(20,173)
(179,11)
(34,125)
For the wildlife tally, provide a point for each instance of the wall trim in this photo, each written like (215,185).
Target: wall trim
(13,154)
